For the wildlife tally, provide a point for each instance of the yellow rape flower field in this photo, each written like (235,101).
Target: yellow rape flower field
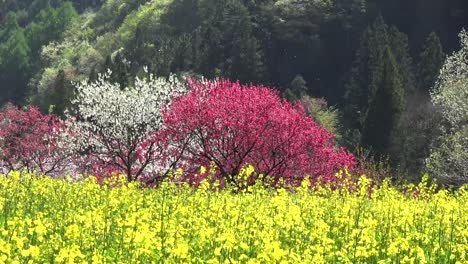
(44,220)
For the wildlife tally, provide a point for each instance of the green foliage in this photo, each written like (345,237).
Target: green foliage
(398,42)
(367,73)
(120,70)
(449,160)
(419,125)
(14,67)
(385,107)
(380,81)
(324,115)
(59,94)
(297,89)
(9,26)
(21,46)
(414,135)
(235,39)
(328,117)
(113,12)
(50,25)
(449,157)
(431,61)
(75,58)
(151,11)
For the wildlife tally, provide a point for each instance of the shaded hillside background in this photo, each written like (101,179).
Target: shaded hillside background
(376,61)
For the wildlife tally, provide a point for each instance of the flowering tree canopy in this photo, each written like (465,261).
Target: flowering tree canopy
(112,124)
(449,159)
(451,90)
(29,140)
(235,125)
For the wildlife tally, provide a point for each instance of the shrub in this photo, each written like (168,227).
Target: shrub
(234,125)
(324,115)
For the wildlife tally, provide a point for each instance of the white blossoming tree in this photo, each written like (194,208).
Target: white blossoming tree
(449,158)
(117,129)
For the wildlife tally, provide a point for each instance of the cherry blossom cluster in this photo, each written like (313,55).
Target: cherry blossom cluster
(112,124)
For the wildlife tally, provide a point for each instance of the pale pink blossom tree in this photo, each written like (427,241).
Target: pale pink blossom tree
(112,125)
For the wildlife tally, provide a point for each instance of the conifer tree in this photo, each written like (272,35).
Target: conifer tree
(9,25)
(297,89)
(120,70)
(61,93)
(431,61)
(14,67)
(367,79)
(366,74)
(385,107)
(399,45)
(418,125)
(378,42)
(229,36)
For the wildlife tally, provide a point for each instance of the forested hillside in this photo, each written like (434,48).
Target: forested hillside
(375,62)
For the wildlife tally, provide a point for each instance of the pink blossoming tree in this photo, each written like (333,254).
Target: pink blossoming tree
(30,140)
(234,125)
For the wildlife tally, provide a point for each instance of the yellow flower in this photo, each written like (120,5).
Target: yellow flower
(72,232)
(201,226)
(217,251)
(97,258)
(202,170)
(181,250)
(244,245)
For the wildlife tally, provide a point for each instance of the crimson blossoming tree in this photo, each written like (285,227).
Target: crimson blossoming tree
(234,125)
(30,140)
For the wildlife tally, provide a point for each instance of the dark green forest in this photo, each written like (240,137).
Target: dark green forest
(375,62)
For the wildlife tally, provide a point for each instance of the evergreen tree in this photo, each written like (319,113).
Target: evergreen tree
(366,74)
(50,24)
(120,70)
(378,42)
(61,94)
(297,89)
(367,79)
(93,75)
(417,129)
(400,49)
(65,16)
(108,63)
(228,36)
(431,61)
(14,68)
(385,107)
(418,125)
(9,25)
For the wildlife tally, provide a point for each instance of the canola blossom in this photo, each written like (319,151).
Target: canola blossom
(45,220)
